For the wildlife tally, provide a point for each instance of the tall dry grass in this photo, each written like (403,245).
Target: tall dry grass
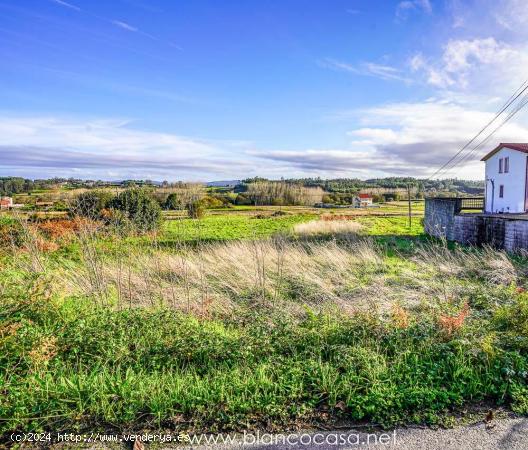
(283,275)
(280,273)
(337,228)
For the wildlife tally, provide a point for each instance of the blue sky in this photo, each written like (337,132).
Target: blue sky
(202,90)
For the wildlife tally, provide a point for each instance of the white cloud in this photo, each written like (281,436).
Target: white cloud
(417,62)
(371,69)
(462,55)
(405,7)
(469,76)
(473,65)
(98,146)
(118,23)
(372,136)
(425,135)
(404,139)
(66,4)
(512,15)
(124,25)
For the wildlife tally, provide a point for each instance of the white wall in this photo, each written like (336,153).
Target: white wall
(514,182)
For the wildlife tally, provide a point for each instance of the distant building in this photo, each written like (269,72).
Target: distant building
(365,200)
(507,178)
(6,203)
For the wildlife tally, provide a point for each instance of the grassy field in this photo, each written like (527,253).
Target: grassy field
(270,322)
(217,227)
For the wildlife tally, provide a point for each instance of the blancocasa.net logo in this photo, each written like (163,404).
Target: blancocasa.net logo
(215,440)
(294,439)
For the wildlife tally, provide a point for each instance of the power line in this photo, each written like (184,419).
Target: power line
(512,113)
(509,102)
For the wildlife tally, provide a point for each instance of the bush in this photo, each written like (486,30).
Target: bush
(173,201)
(60,206)
(139,208)
(90,204)
(212,202)
(196,209)
(11,233)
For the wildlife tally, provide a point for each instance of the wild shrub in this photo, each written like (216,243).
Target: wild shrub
(400,316)
(450,324)
(58,229)
(210,201)
(196,209)
(139,207)
(512,320)
(174,202)
(90,204)
(11,233)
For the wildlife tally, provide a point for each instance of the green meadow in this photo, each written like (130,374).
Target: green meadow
(265,322)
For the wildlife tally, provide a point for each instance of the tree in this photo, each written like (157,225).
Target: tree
(139,207)
(377,198)
(173,201)
(90,203)
(242,199)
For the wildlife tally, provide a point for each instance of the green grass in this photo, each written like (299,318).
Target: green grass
(70,365)
(227,227)
(395,226)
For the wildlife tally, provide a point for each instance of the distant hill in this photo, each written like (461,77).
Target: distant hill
(224,183)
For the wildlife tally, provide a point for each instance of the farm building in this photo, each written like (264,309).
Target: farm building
(6,202)
(507,178)
(365,200)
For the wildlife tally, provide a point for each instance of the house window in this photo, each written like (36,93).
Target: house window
(500,165)
(506,164)
(501,191)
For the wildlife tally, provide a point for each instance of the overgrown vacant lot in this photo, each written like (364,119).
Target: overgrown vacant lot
(368,322)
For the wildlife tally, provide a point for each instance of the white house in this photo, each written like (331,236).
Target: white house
(365,200)
(507,179)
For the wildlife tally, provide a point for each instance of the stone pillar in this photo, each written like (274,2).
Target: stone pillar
(439,218)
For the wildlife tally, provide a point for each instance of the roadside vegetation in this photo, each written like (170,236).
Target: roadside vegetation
(251,320)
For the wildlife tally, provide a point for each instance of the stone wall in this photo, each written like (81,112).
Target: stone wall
(516,235)
(466,230)
(508,233)
(439,218)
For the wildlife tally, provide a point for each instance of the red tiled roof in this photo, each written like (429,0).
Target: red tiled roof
(365,196)
(519,146)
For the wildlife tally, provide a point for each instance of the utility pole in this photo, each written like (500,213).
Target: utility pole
(409,202)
